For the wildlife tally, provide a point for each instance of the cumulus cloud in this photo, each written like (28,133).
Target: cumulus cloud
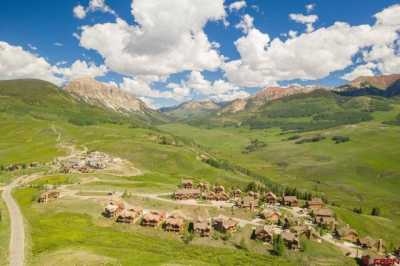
(237,5)
(17,63)
(308,20)
(361,70)
(246,23)
(310,7)
(316,54)
(167,38)
(80,11)
(82,69)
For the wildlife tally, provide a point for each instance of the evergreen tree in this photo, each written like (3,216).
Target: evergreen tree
(278,245)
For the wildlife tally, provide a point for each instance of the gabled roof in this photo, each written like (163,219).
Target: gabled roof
(324,212)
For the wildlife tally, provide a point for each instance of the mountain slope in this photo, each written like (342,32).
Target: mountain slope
(43,100)
(191,109)
(384,85)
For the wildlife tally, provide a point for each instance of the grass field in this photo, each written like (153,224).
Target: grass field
(4,234)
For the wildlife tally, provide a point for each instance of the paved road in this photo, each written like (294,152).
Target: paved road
(17,240)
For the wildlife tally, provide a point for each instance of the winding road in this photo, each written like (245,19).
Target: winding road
(17,240)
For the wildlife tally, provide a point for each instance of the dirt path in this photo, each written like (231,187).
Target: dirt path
(17,240)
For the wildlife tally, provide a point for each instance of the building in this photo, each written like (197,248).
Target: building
(220,196)
(219,189)
(247,203)
(184,194)
(187,184)
(347,234)
(113,209)
(324,217)
(129,215)
(203,186)
(368,242)
(153,218)
(270,216)
(49,196)
(254,195)
(264,233)
(237,193)
(224,224)
(290,240)
(202,227)
(305,230)
(290,201)
(315,203)
(271,198)
(174,223)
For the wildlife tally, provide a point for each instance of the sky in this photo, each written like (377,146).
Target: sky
(170,51)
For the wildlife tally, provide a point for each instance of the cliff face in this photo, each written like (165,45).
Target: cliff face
(97,93)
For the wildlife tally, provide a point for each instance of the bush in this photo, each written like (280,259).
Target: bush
(357,210)
(278,246)
(254,145)
(340,139)
(376,211)
(187,237)
(310,139)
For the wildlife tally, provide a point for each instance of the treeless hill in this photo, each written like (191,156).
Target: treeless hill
(379,82)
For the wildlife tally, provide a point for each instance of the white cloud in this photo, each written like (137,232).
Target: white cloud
(306,20)
(82,69)
(246,24)
(168,38)
(316,54)
(361,70)
(292,33)
(237,5)
(79,12)
(310,7)
(58,44)
(17,63)
(32,47)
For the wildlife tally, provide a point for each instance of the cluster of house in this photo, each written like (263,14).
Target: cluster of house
(189,191)
(85,162)
(174,222)
(48,196)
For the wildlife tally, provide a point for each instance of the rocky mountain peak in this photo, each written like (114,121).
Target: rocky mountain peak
(105,95)
(379,82)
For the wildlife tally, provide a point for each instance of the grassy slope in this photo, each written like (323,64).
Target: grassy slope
(363,172)
(4,234)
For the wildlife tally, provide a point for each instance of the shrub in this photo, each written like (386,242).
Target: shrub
(316,138)
(357,210)
(340,139)
(254,145)
(278,246)
(376,211)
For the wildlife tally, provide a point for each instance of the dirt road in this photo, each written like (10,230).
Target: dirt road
(17,240)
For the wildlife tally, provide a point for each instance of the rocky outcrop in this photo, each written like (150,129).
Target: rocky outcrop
(379,82)
(96,93)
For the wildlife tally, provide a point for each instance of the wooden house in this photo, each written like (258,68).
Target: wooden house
(290,201)
(224,224)
(324,217)
(237,193)
(113,209)
(129,215)
(202,227)
(247,203)
(270,216)
(290,240)
(184,194)
(271,198)
(315,203)
(153,218)
(187,184)
(264,233)
(346,233)
(49,196)
(174,223)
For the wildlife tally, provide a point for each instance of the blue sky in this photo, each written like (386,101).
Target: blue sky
(52,41)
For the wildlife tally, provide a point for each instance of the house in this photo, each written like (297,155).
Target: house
(113,209)
(203,186)
(315,203)
(264,233)
(220,196)
(324,217)
(247,203)
(254,195)
(219,189)
(270,215)
(271,198)
(224,224)
(184,194)
(153,218)
(129,215)
(368,242)
(187,184)
(49,196)
(202,227)
(347,234)
(290,240)
(174,223)
(290,201)
(237,193)
(303,230)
